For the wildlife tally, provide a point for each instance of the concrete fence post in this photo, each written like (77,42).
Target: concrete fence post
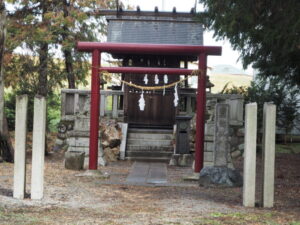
(102,104)
(20,147)
(250,155)
(115,106)
(38,148)
(269,129)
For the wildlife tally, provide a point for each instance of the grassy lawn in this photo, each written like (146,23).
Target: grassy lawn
(293,148)
(68,216)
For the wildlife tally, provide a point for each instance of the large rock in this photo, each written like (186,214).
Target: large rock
(220,176)
(112,154)
(110,134)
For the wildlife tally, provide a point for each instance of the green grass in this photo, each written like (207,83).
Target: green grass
(17,217)
(218,218)
(292,148)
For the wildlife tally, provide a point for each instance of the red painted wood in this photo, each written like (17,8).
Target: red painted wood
(155,49)
(147,70)
(200,119)
(95,106)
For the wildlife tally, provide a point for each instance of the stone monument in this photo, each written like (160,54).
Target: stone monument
(219,173)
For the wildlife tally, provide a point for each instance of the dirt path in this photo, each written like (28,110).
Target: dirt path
(82,200)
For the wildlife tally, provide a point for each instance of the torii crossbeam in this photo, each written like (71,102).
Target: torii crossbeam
(97,48)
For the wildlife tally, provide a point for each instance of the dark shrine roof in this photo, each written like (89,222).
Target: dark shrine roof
(153,27)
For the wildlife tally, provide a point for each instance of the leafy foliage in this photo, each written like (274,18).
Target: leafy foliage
(240,90)
(47,31)
(50,28)
(284,94)
(53,110)
(265,32)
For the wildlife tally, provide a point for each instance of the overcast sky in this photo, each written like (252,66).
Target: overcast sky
(229,56)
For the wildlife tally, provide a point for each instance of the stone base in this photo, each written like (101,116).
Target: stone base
(101,161)
(192,177)
(220,176)
(181,160)
(93,173)
(74,160)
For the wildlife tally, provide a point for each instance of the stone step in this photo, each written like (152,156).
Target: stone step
(149,142)
(150,136)
(149,159)
(149,148)
(150,131)
(149,154)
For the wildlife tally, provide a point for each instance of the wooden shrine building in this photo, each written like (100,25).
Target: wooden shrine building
(155,49)
(152,28)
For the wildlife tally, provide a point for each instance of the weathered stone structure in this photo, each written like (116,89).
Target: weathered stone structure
(73,130)
(219,173)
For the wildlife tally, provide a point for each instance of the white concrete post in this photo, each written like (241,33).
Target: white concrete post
(115,106)
(20,147)
(38,148)
(124,128)
(250,155)
(102,104)
(269,129)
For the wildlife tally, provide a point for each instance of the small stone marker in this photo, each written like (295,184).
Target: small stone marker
(250,155)
(38,148)
(269,128)
(74,160)
(220,174)
(221,136)
(20,147)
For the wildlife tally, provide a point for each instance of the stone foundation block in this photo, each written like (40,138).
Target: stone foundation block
(74,160)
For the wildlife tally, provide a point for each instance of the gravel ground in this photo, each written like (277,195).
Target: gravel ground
(85,200)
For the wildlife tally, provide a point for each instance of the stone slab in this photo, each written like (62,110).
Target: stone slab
(221,137)
(157,173)
(138,173)
(148,172)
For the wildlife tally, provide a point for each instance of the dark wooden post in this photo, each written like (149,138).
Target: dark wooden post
(200,119)
(95,108)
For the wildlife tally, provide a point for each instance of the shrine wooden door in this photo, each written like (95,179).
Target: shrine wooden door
(159,110)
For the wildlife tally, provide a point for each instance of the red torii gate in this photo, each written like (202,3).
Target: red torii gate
(97,48)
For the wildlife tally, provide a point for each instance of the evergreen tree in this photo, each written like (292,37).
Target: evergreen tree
(267,33)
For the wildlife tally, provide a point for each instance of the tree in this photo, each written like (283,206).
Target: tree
(54,25)
(265,32)
(6,149)
(284,94)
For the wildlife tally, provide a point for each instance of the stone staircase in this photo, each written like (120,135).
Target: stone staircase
(149,145)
